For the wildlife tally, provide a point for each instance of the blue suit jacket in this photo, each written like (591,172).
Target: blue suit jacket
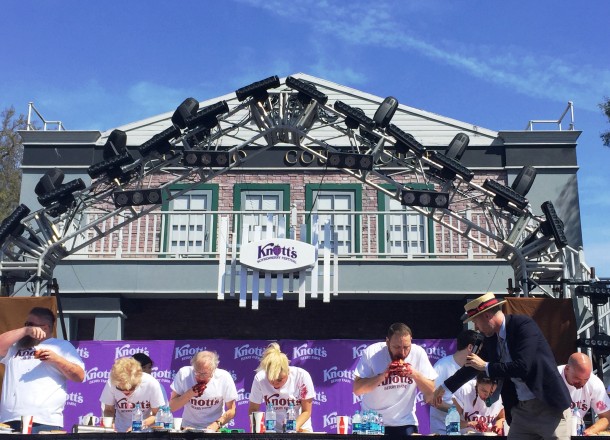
(532,361)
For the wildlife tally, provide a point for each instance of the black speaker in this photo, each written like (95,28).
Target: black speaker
(457,146)
(524,180)
(385,112)
(186,110)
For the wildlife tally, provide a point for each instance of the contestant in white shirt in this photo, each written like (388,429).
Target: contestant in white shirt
(477,411)
(280,384)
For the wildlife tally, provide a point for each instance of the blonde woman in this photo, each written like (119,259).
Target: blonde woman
(129,385)
(278,383)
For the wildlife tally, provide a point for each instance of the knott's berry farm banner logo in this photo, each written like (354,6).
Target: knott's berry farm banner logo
(331,364)
(278,255)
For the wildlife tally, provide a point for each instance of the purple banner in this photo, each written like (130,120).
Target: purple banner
(331,364)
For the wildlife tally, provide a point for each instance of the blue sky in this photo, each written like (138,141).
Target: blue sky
(99,65)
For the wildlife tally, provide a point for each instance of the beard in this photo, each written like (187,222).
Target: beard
(27,342)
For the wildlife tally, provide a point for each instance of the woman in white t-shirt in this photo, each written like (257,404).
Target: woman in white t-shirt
(280,384)
(128,386)
(473,402)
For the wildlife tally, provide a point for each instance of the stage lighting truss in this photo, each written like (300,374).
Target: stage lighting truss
(203,142)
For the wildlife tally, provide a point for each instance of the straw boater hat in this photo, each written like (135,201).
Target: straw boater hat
(481,304)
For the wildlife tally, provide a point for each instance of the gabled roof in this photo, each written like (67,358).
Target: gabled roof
(428,128)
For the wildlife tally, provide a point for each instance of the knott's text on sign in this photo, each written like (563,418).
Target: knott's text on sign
(278,255)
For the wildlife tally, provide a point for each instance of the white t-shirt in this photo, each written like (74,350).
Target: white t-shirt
(445,368)
(395,397)
(199,412)
(465,397)
(35,387)
(299,386)
(592,395)
(148,394)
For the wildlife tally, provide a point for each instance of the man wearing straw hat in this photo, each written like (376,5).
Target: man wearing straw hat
(516,353)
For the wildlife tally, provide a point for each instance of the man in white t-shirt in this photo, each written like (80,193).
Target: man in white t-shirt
(37,369)
(388,377)
(445,368)
(206,392)
(586,391)
(127,387)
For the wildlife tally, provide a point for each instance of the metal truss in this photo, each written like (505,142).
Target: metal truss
(264,117)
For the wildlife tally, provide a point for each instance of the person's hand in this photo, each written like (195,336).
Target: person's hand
(44,354)
(437,397)
(36,333)
(475,362)
(498,428)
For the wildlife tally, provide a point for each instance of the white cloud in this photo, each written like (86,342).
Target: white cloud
(383,24)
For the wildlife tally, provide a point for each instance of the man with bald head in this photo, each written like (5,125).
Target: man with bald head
(586,391)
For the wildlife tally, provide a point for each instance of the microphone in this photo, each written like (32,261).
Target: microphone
(478,343)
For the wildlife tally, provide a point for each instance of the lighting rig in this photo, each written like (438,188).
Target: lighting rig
(199,144)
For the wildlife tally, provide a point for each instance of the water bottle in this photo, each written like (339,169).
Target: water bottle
(374,419)
(381,425)
(168,421)
(452,421)
(578,426)
(160,417)
(291,419)
(366,424)
(357,423)
(270,418)
(136,419)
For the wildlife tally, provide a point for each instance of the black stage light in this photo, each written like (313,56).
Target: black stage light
(206,117)
(553,226)
(11,225)
(49,181)
(424,198)
(405,142)
(351,161)
(451,167)
(186,110)
(354,116)
(307,91)
(206,159)
(111,167)
(457,146)
(385,112)
(160,142)
(258,90)
(504,195)
(370,136)
(597,291)
(115,145)
(137,197)
(524,180)
(63,193)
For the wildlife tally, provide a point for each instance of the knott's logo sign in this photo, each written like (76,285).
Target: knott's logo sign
(278,255)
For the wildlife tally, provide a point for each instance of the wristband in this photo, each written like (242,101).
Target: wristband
(219,423)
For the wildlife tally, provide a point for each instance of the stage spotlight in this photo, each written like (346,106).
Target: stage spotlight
(600,343)
(524,180)
(115,145)
(160,142)
(63,196)
(207,159)
(11,225)
(370,136)
(206,117)
(258,90)
(186,110)
(504,195)
(451,168)
(137,197)
(424,198)
(351,161)
(49,181)
(457,146)
(405,142)
(597,291)
(553,226)
(354,116)
(385,112)
(111,167)
(307,91)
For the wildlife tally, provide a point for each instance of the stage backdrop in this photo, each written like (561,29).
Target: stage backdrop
(331,364)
